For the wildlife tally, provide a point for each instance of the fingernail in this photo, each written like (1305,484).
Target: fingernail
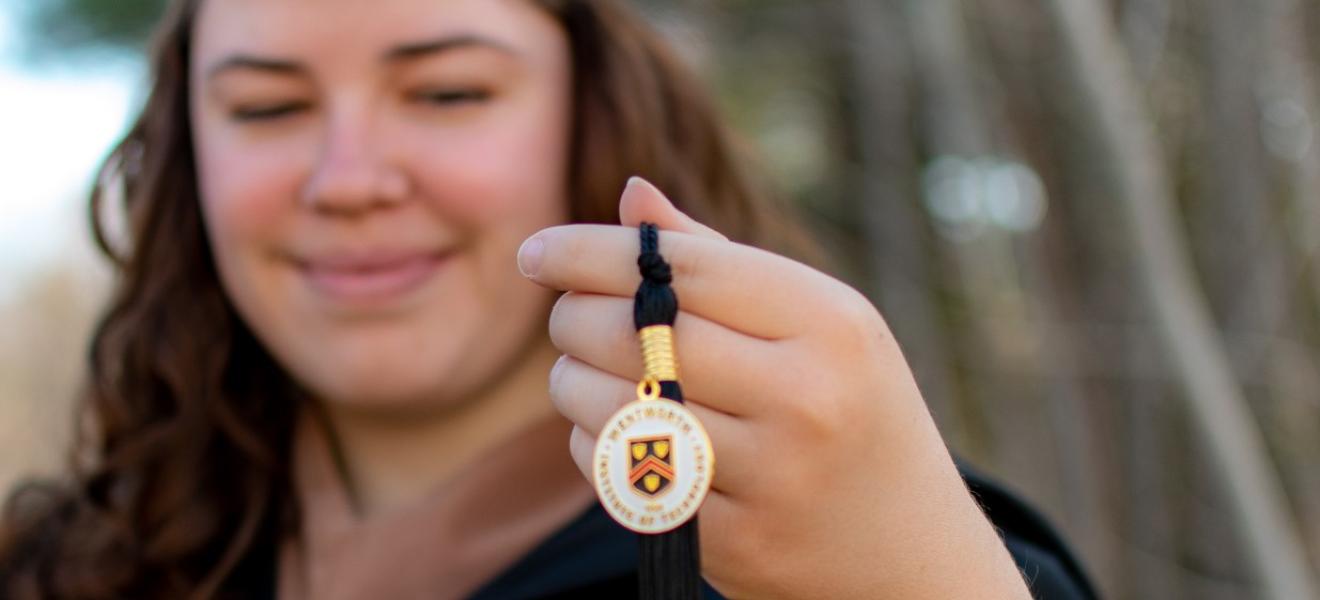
(645,185)
(636,181)
(554,371)
(529,256)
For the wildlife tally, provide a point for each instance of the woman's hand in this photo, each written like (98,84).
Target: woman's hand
(831,479)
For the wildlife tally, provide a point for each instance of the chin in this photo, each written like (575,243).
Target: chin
(437,360)
(370,392)
(382,367)
(381,376)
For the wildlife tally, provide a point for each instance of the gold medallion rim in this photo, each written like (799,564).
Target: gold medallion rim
(705,487)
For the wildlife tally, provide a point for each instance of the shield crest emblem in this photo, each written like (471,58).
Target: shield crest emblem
(652,464)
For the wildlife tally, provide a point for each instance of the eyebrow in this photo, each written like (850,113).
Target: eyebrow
(438,45)
(402,53)
(243,61)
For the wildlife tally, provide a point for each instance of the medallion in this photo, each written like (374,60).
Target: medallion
(653,463)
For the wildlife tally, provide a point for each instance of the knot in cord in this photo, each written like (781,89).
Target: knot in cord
(655,303)
(654,269)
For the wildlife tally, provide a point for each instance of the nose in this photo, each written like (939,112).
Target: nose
(354,172)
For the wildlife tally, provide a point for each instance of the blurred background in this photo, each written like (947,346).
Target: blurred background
(1093,225)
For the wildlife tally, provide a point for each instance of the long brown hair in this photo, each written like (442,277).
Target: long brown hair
(180,480)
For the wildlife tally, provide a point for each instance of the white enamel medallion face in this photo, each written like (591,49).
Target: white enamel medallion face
(653,465)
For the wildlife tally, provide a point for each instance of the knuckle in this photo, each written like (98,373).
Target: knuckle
(685,264)
(822,415)
(572,248)
(809,391)
(860,327)
(814,407)
(860,309)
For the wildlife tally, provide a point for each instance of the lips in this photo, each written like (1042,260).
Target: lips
(372,276)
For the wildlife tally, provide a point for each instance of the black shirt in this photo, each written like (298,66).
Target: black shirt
(593,557)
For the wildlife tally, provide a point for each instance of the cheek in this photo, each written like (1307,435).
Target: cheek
(247,190)
(511,169)
(248,196)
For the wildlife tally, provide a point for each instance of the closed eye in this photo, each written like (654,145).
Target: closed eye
(268,112)
(452,96)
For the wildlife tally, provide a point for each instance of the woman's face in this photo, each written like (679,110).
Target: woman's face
(367,172)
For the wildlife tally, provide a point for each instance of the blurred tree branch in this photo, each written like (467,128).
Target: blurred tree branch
(1111,112)
(1050,353)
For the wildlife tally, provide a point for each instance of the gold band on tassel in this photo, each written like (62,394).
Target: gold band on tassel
(658,352)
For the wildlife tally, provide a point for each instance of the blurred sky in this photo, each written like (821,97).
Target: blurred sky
(56,123)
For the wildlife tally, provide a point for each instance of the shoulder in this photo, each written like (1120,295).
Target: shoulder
(1046,562)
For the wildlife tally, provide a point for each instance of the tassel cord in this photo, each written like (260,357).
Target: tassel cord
(669,563)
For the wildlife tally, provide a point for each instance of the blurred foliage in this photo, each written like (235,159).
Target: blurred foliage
(937,145)
(73,29)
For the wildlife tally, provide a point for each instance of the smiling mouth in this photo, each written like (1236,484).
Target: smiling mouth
(372,278)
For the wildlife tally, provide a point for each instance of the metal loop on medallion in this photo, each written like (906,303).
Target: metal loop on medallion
(648,388)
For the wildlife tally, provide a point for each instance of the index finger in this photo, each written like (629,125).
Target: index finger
(747,289)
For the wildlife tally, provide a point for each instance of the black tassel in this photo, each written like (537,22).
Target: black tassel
(669,563)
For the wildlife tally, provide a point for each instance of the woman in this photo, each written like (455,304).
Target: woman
(322,375)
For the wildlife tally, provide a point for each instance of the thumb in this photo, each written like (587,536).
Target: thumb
(642,201)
